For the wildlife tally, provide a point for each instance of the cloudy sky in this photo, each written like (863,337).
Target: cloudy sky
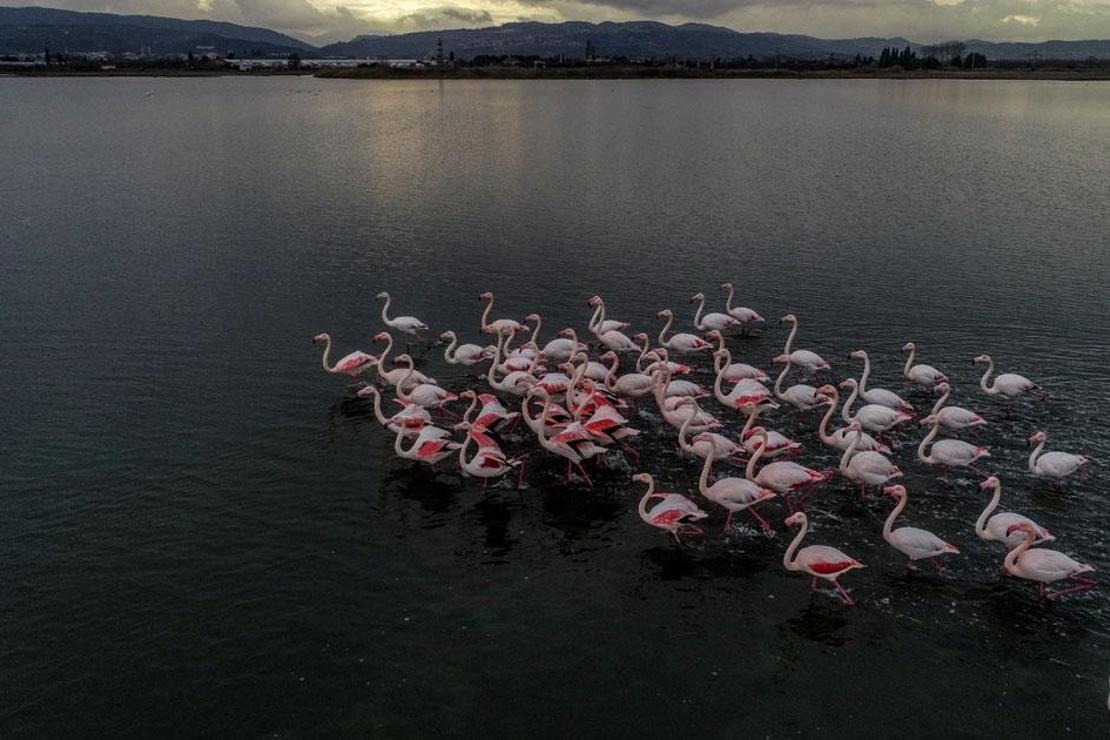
(920,20)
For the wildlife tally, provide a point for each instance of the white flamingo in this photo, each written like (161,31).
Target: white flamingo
(405,324)
(880,396)
(998,528)
(923,375)
(598,324)
(914,543)
(777,444)
(953,417)
(841,438)
(949,453)
(819,561)
(425,395)
(733,494)
(1010,385)
(801,396)
(354,364)
(803,358)
(1055,465)
(746,316)
(629,385)
(681,343)
(782,477)
(712,321)
(872,417)
(1043,565)
(411,419)
(431,445)
(674,513)
(675,410)
(392,377)
(462,354)
(706,444)
(500,325)
(866,468)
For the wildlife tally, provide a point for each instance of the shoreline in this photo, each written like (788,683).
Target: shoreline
(597,73)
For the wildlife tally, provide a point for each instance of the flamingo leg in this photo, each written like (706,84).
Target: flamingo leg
(762,521)
(520,475)
(945,469)
(863,490)
(1084,585)
(979,472)
(728,522)
(813,584)
(631,451)
(936,564)
(843,594)
(566,478)
(582,470)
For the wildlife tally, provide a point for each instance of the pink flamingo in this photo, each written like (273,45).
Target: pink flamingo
(431,445)
(354,364)
(949,453)
(675,410)
(462,354)
(914,543)
(841,438)
(405,324)
(777,444)
(491,413)
(411,419)
(811,361)
(746,316)
(629,385)
(1055,465)
(425,395)
(879,396)
(998,527)
(923,375)
(819,561)
(782,477)
(953,417)
(745,391)
(488,462)
(1044,565)
(733,371)
(397,374)
(674,513)
(712,321)
(500,325)
(733,494)
(872,417)
(563,347)
(598,324)
(801,396)
(866,468)
(706,444)
(572,444)
(1010,385)
(682,343)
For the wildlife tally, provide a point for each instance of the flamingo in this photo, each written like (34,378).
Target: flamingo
(733,371)
(598,324)
(512,383)
(811,361)
(914,543)
(746,316)
(1044,565)
(462,354)
(948,453)
(1055,465)
(777,444)
(998,527)
(712,321)
(563,347)
(425,395)
(953,417)
(679,388)
(1010,385)
(391,377)
(706,444)
(617,342)
(595,371)
(866,468)
(674,513)
(491,413)
(681,343)
(801,396)
(574,446)
(676,368)
(431,445)
(923,375)
(500,325)
(675,410)
(405,324)
(841,438)
(487,462)
(743,393)
(819,561)
(781,477)
(872,417)
(879,396)
(733,494)
(629,385)
(410,419)
(354,364)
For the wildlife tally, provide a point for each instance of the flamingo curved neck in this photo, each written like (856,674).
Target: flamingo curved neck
(728,302)
(485,314)
(749,472)
(909,361)
(847,456)
(790,339)
(469,410)
(940,404)
(378,407)
(462,452)
(888,527)
(788,561)
(536,331)
(926,442)
(496,359)
(611,375)
(752,415)
(981,522)
(642,508)
(449,353)
(597,318)
(665,329)
(718,386)
(399,387)
(866,373)
(385,308)
(823,428)
(643,351)
(697,314)
(397,444)
(988,389)
(782,377)
(703,481)
(844,413)
(1034,455)
(1010,563)
(327,356)
(385,354)
(579,373)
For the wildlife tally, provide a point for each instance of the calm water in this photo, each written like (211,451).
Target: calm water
(203,533)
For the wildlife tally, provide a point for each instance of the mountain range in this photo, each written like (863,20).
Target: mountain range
(30,30)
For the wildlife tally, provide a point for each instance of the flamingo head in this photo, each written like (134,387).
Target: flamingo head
(640,337)
(447,335)
(486,296)
(697,297)
(829,390)
(849,384)
(468,394)
(609,355)
(1022,527)
(895,491)
(788,319)
(566,333)
(463,426)
(854,425)
(532,317)
(580,357)
(981,359)
(1037,437)
(365,391)
(320,338)
(712,333)
(382,296)
(642,478)
(858,354)
(594,301)
(381,336)
(795,519)
(402,358)
(990,483)
(666,313)
(941,388)
(719,354)
(780,360)
(908,346)
(928,421)
(726,286)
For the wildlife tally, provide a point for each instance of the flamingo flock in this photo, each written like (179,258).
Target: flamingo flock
(555,400)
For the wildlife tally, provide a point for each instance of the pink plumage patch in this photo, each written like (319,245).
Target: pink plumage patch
(671,516)
(829,568)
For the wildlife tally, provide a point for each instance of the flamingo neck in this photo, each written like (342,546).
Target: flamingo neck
(385,308)
(790,339)
(385,354)
(485,314)
(989,390)
(909,361)
(926,442)
(462,453)
(703,482)
(1034,455)
(397,443)
(1010,563)
(750,422)
(782,377)
(327,356)
(844,413)
(536,331)
(697,314)
(981,522)
(378,407)
(450,350)
(665,329)
(496,359)
(469,410)
(718,386)
(728,303)
(866,373)
(611,375)
(788,561)
(823,429)
(682,430)
(661,382)
(399,387)
(888,527)
(749,472)
(940,404)
(642,508)
(847,456)
(597,318)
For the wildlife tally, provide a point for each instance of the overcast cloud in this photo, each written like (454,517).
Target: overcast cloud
(919,20)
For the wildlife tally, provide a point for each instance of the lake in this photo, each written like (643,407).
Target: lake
(204,534)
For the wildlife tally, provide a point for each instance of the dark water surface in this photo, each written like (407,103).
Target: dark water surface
(203,533)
